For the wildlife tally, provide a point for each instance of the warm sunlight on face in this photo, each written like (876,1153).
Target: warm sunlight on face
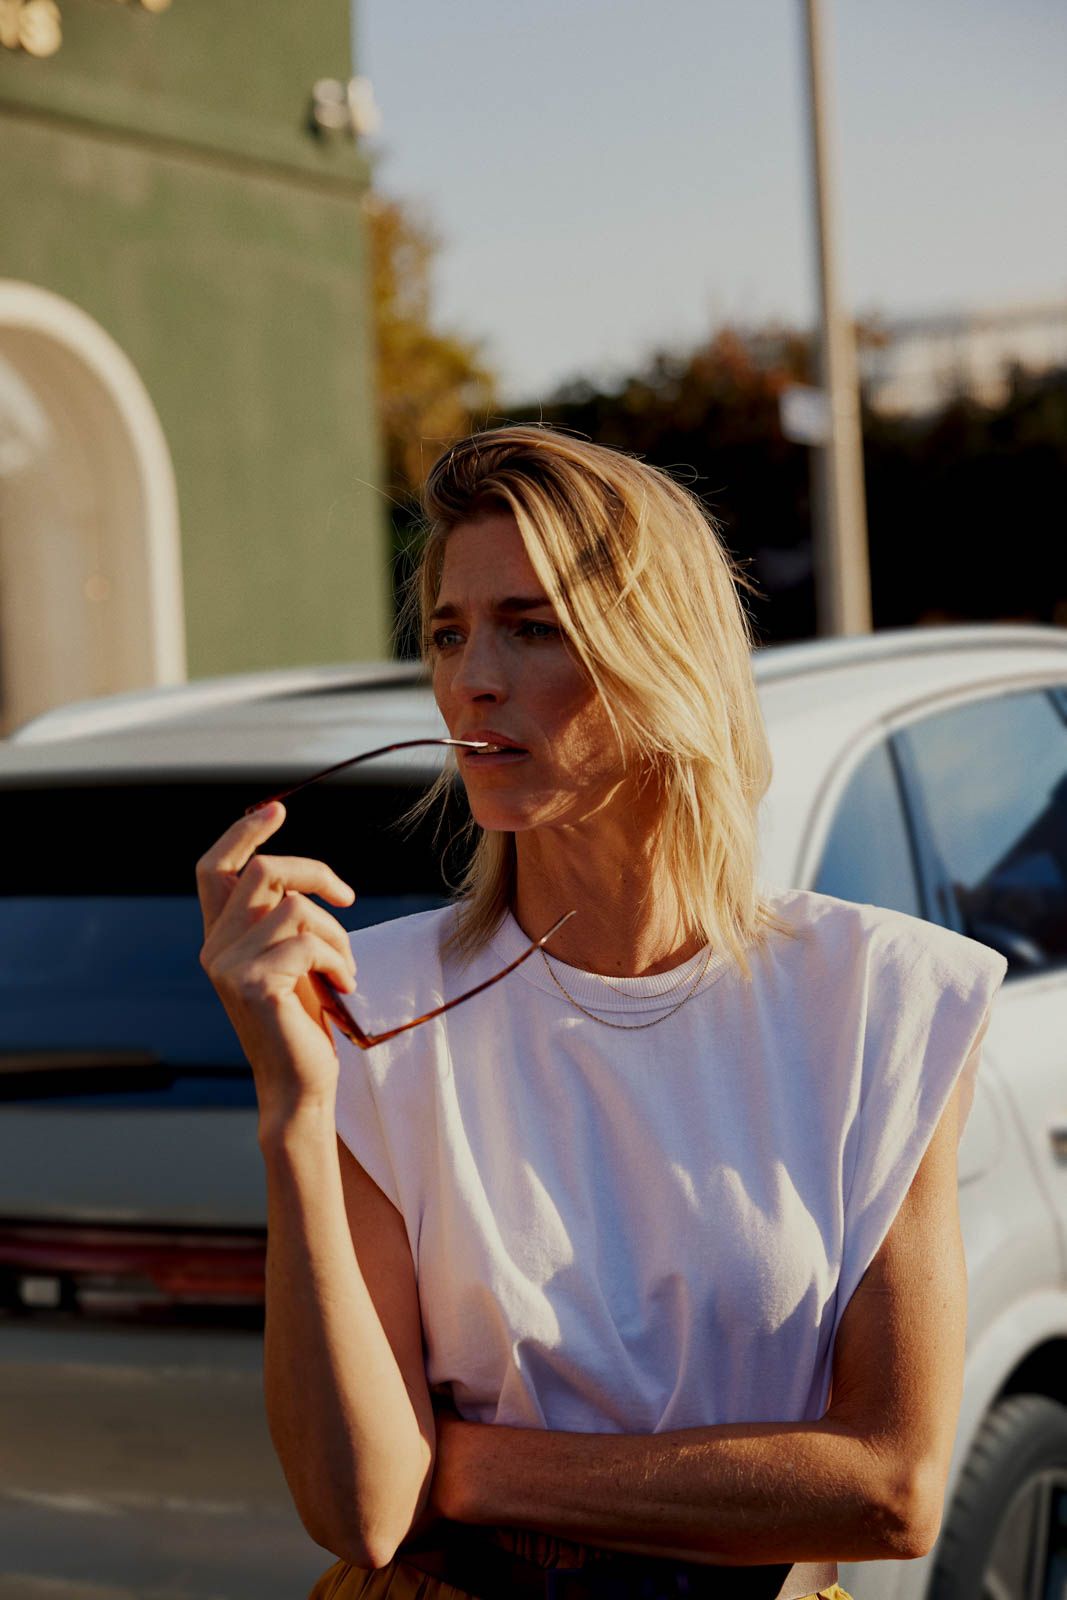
(502,667)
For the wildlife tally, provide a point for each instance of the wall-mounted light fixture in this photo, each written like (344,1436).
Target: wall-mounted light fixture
(36,26)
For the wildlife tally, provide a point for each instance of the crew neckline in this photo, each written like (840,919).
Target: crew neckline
(603,992)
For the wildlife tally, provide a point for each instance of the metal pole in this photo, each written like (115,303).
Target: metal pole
(842,572)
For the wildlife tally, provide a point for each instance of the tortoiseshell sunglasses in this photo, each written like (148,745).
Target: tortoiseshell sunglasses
(332,1003)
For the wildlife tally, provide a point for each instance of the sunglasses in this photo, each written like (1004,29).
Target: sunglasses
(332,1003)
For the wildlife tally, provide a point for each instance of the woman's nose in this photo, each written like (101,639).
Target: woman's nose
(481,669)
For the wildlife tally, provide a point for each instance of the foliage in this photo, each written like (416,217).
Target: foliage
(964,506)
(432,384)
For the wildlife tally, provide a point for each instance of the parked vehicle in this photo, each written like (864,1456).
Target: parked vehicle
(924,770)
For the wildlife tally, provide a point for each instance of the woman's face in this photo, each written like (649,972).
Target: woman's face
(501,666)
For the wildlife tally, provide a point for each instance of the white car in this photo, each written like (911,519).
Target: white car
(920,769)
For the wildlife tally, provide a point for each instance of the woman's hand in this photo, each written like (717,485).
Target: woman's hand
(263,938)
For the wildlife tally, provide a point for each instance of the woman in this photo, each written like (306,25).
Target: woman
(640,1273)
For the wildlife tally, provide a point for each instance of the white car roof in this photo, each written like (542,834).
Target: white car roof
(822,700)
(166,703)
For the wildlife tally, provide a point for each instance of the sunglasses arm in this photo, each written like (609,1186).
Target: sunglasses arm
(368,755)
(339,1013)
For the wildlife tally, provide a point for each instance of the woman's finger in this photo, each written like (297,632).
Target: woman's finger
(293,914)
(264,883)
(229,855)
(304,873)
(276,970)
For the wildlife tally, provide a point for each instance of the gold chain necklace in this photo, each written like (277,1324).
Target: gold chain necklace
(629,1027)
(616,984)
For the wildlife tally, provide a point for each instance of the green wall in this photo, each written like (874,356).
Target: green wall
(158,172)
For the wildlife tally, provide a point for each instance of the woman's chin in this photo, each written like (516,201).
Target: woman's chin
(498,818)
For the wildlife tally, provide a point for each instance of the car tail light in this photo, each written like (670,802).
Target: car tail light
(109,1270)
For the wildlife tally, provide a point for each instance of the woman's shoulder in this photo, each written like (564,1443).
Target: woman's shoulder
(910,999)
(851,931)
(417,935)
(882,932)
(398,976)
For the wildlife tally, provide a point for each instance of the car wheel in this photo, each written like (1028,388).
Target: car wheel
(1004,1536)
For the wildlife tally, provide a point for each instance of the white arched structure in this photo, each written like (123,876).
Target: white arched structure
(90,556)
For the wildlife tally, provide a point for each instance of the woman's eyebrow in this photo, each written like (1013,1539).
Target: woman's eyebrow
(512,603)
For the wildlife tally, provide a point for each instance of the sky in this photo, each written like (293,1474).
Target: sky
(610,177)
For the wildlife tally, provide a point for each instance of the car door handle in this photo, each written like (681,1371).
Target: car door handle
(1058,1138)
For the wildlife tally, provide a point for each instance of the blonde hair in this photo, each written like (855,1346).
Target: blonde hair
(647,597)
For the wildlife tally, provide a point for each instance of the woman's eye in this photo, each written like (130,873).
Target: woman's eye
(444,638)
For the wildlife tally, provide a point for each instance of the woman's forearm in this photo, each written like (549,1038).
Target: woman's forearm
(740,1494)
(339,1412)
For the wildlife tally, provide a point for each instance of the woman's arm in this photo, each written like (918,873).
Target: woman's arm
(346,1396)
(740,1495)
(864,1482)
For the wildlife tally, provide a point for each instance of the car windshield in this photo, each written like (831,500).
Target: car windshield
(102,996)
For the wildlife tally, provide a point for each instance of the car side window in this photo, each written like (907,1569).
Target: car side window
(868,856)
(992,777)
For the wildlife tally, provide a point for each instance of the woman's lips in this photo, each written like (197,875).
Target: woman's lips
(493,758)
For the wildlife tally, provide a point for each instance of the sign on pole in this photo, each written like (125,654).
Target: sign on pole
(804,414)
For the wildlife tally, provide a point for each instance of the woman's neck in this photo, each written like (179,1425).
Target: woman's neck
(627,922)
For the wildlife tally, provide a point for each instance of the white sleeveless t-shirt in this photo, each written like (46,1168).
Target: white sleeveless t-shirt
(644,1229)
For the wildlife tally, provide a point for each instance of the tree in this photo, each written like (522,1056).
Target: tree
(963,505)
(433,385)
(709,415)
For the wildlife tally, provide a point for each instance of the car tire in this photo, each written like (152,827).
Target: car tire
(1007,1521)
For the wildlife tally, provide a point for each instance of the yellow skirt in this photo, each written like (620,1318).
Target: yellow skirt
(402,1581)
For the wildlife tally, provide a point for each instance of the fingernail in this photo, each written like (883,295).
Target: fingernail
(268,812)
